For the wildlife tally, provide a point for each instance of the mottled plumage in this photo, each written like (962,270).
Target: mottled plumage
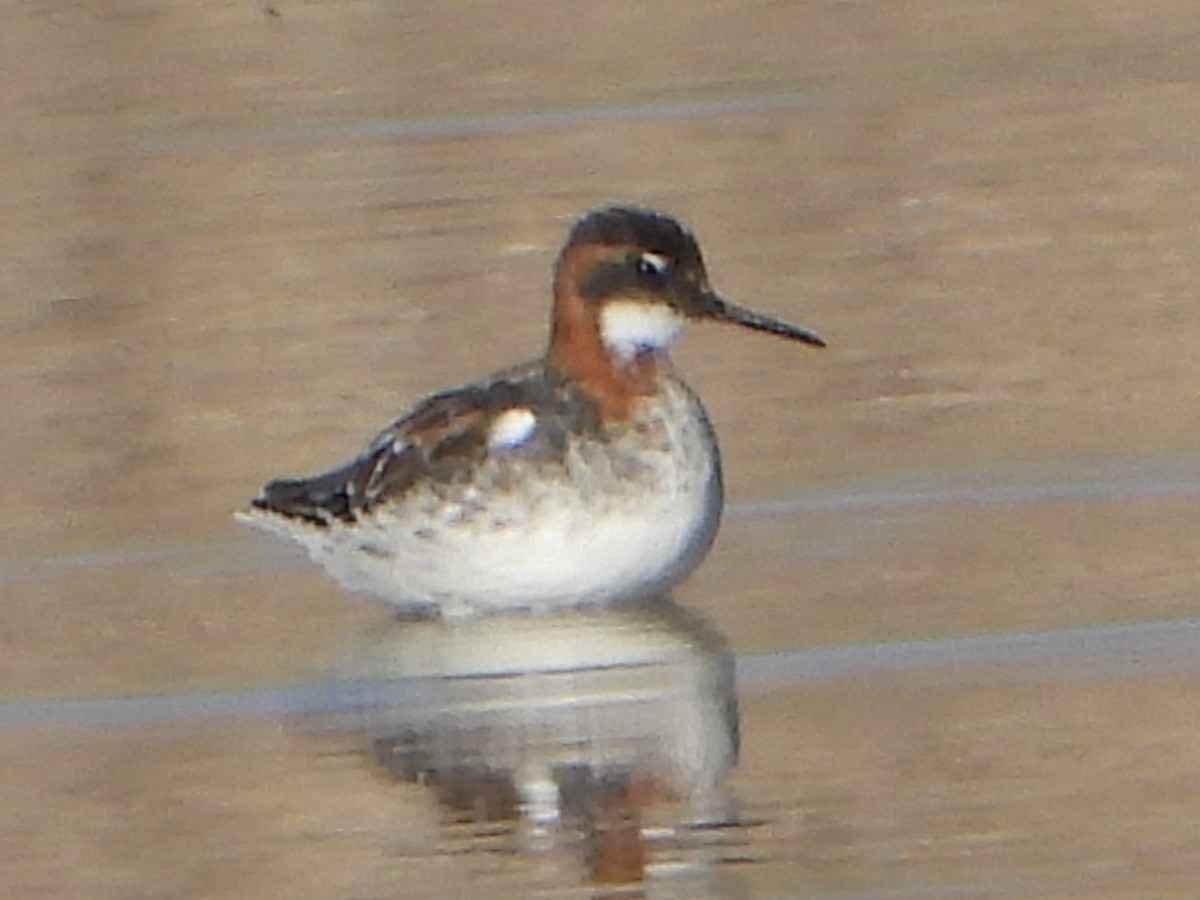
(591,475)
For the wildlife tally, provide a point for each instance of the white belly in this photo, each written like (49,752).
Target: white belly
(564,555)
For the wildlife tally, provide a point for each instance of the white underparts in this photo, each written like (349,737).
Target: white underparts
(629,328)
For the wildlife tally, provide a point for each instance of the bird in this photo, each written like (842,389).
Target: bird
(589,476)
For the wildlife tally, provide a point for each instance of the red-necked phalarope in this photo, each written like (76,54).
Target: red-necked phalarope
(589,476)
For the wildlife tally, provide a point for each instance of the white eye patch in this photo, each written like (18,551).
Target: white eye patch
(654,264)
(629,328)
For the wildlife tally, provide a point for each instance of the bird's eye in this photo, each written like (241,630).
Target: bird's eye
(653,265)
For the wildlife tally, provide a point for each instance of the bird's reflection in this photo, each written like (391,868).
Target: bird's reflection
(572,725)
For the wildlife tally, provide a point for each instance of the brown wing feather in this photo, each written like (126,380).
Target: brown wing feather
(442,438)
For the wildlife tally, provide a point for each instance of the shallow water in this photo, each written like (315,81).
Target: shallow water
(957,573)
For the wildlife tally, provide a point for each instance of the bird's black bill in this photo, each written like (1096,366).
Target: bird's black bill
(724,311)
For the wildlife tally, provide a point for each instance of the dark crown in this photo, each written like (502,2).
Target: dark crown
(641,228)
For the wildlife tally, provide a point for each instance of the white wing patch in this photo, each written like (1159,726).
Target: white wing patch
(628,328)
(512,428)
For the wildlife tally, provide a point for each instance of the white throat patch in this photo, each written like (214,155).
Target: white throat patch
(628,328)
